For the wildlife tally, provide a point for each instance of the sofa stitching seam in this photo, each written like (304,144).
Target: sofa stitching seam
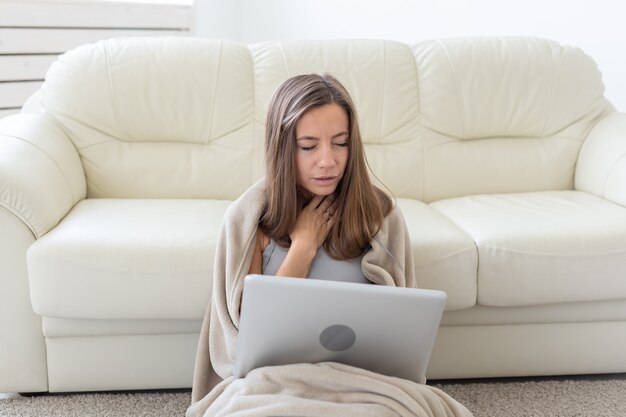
(255,142)
(282,54)
(553,255)
(470,250)
(105,48)
(217,76)
(420,128)
(457,85)
(382,106)
(23,219)
(550,93)
(610,173)
(67,182)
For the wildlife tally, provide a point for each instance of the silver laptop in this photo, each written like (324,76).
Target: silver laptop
(387,330)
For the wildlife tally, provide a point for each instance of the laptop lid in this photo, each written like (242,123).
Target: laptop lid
(387,330)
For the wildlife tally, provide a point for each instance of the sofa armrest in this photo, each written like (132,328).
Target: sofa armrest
(601,165)
(41,175)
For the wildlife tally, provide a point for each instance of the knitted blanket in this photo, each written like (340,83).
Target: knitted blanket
(300,389)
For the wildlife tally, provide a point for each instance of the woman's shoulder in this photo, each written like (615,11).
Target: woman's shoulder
(242,216)
(253,199)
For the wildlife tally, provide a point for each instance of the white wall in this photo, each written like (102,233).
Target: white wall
(596,26)
(217,19)
(34,32)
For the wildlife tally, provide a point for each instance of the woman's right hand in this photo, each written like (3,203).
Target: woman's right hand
(314,223)
(309,233)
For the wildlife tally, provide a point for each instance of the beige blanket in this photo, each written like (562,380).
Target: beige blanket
(301,389)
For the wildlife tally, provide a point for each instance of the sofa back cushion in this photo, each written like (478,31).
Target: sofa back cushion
(448,118)
(380,77)
(185,117)
(157,117)
(501,115)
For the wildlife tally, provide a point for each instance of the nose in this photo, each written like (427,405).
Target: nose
(327,156)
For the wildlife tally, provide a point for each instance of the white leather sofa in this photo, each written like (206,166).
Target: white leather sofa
(506,160)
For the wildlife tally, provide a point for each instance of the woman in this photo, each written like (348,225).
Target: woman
(315,174)
(315,211)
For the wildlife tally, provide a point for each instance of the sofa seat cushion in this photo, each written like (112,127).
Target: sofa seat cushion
(584,312)
(445,256)
(62,327)
(127,259)
(544,247)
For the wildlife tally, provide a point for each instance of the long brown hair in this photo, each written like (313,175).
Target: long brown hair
(361,205)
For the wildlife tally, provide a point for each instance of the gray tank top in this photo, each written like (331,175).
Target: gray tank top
(322,267)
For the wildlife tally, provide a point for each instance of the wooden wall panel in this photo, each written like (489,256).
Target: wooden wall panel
(13,95)
(58,40)
(34,32)
(24,67)
(93,15)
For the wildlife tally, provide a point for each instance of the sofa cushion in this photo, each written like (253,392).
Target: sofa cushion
(445,256)
(380,77)
(507,105)
(157,117)
(127,259)
(489,87)
(544,247)
(62,327)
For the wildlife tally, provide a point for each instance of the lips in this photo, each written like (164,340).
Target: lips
(324,180)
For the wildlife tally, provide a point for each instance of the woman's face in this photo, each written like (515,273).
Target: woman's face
(322,148)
